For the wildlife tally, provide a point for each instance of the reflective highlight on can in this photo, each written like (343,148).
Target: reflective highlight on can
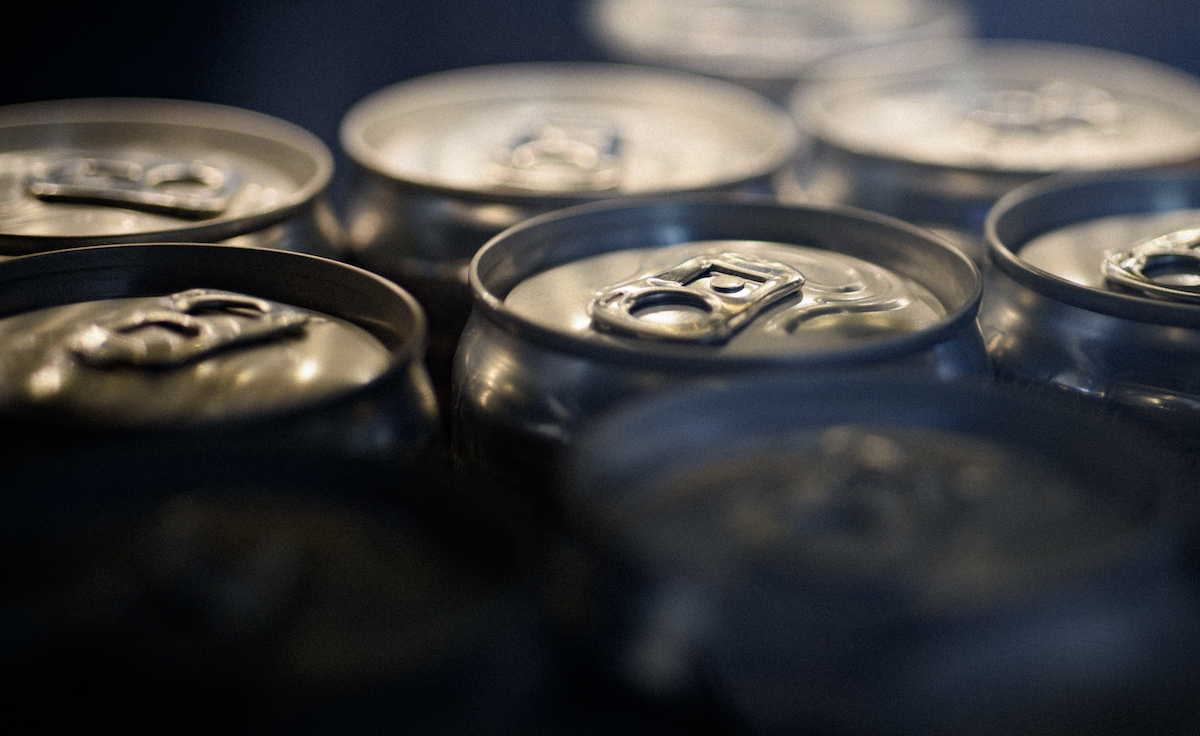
(113,170)
(580,310)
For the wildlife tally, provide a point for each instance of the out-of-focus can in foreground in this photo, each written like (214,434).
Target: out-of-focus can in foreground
(891,556)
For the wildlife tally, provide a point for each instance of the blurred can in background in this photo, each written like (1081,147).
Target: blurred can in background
(1093,293)
(934,133)
(114,170)
(444,162)
(765,45)
(580,310)
(885,556)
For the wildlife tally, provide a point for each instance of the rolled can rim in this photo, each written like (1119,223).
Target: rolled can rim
(679,219)
(1060,200)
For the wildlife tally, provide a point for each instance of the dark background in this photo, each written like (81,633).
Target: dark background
(308,61)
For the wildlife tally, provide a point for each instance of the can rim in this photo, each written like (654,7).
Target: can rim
(832,78)
(755,56)
(524,77)
(680,219)
(120,270)
(215,117)
(1056,201)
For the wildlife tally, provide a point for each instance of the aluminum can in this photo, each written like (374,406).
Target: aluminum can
(766,45)
(1092,294)
(206,353)
(111,170)
(296,592)
(934,133)
(444,162)
(579,310)
(894,555)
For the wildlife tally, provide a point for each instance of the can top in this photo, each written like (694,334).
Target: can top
(762,39)
(734,282)
(1124,244)
(567,130)
(121,170)
(158,339)
(883,480)
(1004,106)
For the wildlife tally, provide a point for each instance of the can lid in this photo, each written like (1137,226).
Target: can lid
(135,350)
(1004,106)
(1123,244)
(965,496)
(762,39)
(729,282)
(122,170)
(567,130)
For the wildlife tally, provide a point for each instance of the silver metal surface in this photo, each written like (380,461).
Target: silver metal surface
(1167,267)
(765,45)
(1051,319)
(95,171)
(444,162)
(532,367)
(934,133)
(704,299)
(219,348)
(886,554)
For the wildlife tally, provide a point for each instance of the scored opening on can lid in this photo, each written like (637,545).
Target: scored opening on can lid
(700,279)
(91,171)
(1003,106)
(567,130)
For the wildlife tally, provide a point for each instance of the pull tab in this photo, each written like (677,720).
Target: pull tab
(1052,108)
(562,154)
(192,190)
(182,327)
(707,299)
(1167,267)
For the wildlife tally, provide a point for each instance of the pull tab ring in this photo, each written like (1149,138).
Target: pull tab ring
(706,300)
(1167,267)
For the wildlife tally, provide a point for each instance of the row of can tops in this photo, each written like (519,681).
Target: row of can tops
(575,131)
(676,281)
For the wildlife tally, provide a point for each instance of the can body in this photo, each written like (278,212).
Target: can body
(935,133)
(849,556)
(443,163)
(766,45)
(543,352)
(112,170)
(1054,318)
(207,353)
